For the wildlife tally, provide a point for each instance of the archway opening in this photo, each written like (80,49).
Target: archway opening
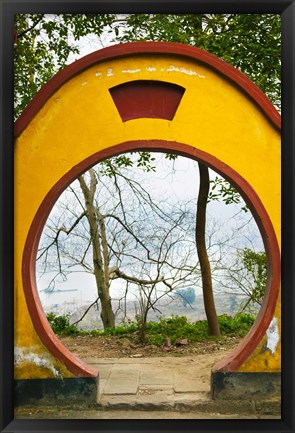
(250,197)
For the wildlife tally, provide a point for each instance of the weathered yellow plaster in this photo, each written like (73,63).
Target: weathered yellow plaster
(267,355)
(80,119)
(35,362)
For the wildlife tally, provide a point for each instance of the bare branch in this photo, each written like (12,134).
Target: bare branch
(64,230)
(119,274)
(86,311)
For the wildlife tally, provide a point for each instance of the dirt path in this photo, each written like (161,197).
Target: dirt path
(87,347)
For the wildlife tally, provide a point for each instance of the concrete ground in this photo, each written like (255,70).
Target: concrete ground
(151,383)
(156,388)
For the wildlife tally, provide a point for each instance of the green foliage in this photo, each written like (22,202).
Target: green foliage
(179,327)
(256,265)
(238,325)
(122,331)
(174,327)
(247,275)
(250,42)
(61,324)
(144,160)
(43,46)
(224,191)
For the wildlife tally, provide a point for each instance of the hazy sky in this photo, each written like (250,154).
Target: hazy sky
(178,185)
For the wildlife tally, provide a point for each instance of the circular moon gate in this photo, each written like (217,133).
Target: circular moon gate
(143,96)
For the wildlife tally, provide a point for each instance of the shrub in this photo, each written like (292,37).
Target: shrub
(61,324)
(178,327)
(122,330)
(238,325)
(173,327)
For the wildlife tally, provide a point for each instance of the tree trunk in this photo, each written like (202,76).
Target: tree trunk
(99,253)
(213,326)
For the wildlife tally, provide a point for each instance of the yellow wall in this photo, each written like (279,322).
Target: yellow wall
(80,119)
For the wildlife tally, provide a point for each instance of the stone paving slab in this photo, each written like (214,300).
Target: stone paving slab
(135,384)
(150,376)
(130,376)
(101,387)
(185,383)
(104,371)
(152,389)
(123,379)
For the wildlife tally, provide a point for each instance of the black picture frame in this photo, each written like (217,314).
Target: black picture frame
(8,9)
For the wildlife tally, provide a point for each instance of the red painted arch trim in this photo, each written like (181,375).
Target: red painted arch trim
(250,342)
(136,48)
(42,327)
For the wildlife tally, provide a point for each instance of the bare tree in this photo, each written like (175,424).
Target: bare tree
(100,253)
(125,237)
(213,326)
(109,224)
(174,267)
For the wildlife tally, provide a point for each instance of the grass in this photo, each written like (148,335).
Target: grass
(174,327)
